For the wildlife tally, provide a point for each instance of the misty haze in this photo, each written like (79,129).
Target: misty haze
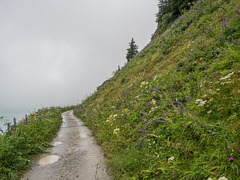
(55,52)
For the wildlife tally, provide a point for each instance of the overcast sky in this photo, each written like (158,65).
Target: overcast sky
(54,52)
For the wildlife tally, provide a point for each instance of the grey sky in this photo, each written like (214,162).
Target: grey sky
(54,52)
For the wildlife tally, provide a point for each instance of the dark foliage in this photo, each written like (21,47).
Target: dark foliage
(169,10)
(132,50)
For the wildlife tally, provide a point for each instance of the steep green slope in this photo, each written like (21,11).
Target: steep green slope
(173,111)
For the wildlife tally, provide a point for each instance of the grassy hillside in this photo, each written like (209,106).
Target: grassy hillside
(173,111)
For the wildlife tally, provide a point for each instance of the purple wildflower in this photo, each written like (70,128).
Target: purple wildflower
(224,22)
(173,121)
(14,121)
(153,89)
(99,114)
(145,128)
(160,121)
(177,102)
(234,42)
(139,146)
(8,128)
(222,37)
(223,8)
(141,131)
(163,116)
(213,133)
(40,118)
(237,12)
(230,159)
(179,110)
(190,77)
(148,104)
(168,88)
(26,120)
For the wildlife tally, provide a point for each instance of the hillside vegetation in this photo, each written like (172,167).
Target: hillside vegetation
(173,111)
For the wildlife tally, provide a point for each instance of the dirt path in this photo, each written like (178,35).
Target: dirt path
(75,155)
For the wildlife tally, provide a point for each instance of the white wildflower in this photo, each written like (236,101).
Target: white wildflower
(143,84)
(200,102)
(222,178)
(116,131)
(171,159)
(209,111)
(153,102)
(210,179)
(227,76)
(152,109)
(205,95)
(111,118)
(126,111)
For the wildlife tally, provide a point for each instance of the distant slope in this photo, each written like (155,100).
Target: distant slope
(173,111)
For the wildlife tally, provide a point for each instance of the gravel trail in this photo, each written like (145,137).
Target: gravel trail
(74,155)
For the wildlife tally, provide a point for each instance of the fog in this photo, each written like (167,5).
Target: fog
(55,52)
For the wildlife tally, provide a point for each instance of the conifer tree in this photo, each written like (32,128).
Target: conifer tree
(169,10)
(132,50)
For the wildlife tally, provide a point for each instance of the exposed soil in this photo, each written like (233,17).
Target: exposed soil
(74,155)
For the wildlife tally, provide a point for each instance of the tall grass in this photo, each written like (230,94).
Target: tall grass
(173,111)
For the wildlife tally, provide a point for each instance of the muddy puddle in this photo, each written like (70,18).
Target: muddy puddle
(48,160)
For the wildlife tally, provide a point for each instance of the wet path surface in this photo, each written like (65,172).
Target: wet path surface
(75,155)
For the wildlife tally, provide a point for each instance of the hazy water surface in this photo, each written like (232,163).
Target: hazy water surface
(8,117)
